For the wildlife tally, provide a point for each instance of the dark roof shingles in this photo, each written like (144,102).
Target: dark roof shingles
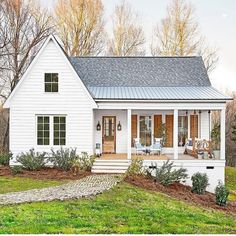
(141,71)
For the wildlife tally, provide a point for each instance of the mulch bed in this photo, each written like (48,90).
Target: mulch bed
(45,173)
(181,192)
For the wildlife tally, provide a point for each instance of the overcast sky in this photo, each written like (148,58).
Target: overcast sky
(217,19)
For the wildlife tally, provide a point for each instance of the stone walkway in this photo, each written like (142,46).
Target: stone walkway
(86,187)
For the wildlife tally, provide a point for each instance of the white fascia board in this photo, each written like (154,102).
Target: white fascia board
(162,106)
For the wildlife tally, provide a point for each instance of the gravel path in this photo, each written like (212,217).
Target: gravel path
(86,187)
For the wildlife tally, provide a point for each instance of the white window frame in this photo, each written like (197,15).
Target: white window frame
(51,130)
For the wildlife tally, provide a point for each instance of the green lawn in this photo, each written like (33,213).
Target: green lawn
(16,184)
(124,209)
(230,179)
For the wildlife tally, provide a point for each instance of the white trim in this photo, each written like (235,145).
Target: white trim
(175,133)
(128,133)
(51,37)
(162,106)
(222,134)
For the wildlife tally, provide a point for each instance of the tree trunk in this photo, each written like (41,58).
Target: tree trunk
(6,137)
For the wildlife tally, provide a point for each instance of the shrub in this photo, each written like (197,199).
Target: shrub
(83,162)
(136,167)
(199,183)
(16,170)
(5,158)
(63,158)
(32,160)
(222,194)
(86,161)
(166,175)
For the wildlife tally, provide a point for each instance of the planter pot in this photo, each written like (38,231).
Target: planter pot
(205,155)
(216,154)
(200,156)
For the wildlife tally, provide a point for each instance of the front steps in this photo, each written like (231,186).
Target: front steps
(110,166)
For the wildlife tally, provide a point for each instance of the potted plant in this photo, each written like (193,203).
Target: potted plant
(215,137)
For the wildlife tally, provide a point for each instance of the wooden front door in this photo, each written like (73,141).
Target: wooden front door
(157,125)
(109,134)
(169,130)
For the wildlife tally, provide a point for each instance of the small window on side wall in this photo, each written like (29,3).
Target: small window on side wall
(51,82)
(59,127)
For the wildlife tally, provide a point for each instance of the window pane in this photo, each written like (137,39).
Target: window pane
(54,77)
(46,126)
(54,87)
(56,127)
(46,134)
(56,119)
(48,77)
(40,119)
(145,125)
(40,126)
(182,130)
(62,142)
(62,119)
(59,130)
(40,134)
(46,141)
(40,141)
(56,134)
(46,119)
(48,87)
(62,127)
(43,130)
(62,134)
(56,141)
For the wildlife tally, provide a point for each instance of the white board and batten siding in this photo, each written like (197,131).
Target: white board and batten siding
(72,100)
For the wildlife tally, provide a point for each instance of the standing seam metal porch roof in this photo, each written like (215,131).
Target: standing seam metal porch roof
(156,93)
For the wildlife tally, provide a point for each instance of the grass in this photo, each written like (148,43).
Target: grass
(230,179)
(16,184)
(124,209)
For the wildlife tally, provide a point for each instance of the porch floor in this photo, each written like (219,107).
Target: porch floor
(123,156)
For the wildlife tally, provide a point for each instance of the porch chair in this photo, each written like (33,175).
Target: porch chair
(139,147)
(157,146)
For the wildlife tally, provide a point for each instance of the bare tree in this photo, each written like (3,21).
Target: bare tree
(128,35)
(27,26)
(178,35)
(80,26)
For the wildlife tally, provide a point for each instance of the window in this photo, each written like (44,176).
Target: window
(59,127)
(51,82)
(182,130)
(43,130)
(145,127)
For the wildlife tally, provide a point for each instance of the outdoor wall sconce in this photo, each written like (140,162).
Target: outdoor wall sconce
(98,126)
(119,126)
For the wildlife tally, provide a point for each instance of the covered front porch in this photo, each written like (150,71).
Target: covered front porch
(123,156)
(116,126)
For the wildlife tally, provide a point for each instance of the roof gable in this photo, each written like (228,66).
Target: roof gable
(24,77)
(141,71)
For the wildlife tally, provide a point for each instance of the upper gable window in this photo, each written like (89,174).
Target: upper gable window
(51,82)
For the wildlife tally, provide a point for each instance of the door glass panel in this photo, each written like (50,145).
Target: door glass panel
(182,130)
(145,128)
(109,128)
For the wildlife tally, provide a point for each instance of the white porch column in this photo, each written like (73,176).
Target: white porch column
(128,133)
(222,134)
(175,135)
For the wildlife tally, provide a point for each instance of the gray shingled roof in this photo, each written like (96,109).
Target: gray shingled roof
(141,71)
(157,93)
